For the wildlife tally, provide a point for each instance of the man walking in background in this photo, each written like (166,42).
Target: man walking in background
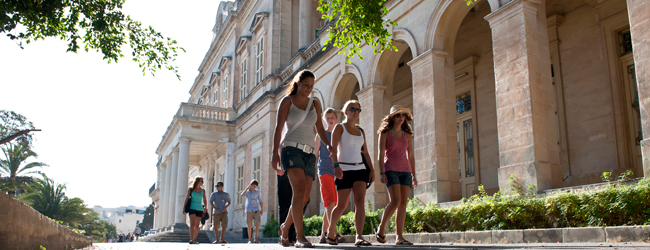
(220,201)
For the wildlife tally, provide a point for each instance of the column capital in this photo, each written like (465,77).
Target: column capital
(511,9)
(371,89)
(554,21)
(427,58)
(183,140)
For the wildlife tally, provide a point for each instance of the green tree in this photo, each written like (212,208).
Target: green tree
(96,25)
(109,229)
(14,169)
(92,225)
(355,22)
(11,123)
(49,199)
(147,221)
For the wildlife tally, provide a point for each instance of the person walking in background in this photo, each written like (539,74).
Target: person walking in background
(254,209)
(220,201)
(137,232)
(326,173)
(397,167)
(299,113)
(350,142)
(195,195)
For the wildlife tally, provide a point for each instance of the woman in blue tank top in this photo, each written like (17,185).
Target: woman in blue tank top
(194,196)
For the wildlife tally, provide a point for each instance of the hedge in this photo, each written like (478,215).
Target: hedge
(617,204)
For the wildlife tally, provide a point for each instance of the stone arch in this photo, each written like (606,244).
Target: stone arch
(345,88)
(445,21)
(406,36)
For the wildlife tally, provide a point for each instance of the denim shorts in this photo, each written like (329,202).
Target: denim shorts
(293,157)
(402,178)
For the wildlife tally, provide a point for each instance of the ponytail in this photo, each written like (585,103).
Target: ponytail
(300,76)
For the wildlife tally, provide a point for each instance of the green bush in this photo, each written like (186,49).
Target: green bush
(271,228)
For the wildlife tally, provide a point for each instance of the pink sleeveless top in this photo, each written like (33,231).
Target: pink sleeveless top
(395,156)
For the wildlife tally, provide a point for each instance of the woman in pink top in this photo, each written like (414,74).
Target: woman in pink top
(397,168)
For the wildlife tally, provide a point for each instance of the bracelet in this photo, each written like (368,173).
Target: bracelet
(336,165)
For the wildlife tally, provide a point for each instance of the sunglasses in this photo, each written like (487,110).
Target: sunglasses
(401,115)
(219,185)
(354,109)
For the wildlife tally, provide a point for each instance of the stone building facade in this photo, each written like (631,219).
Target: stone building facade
(552,92)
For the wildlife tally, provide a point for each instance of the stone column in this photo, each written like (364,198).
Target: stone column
(173,178)
(526,122)
(434,122)
(165,194)
(640,29)
(181,181)
(305,27)
(229,178)
(372,104)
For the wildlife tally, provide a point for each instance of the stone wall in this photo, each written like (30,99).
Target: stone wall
(22,227)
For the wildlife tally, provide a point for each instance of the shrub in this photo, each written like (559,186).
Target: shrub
(271,228)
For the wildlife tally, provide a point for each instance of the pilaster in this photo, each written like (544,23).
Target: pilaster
(640,28)
(166,187)
(229,178)
(305,24)
(434,124)
(372,103)
(172,190)
(526,122)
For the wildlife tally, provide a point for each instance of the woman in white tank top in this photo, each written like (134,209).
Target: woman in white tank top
(298,160)
(349,139)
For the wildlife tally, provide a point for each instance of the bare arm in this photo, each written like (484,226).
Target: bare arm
(367,157)
(336,137)
(317,143)
(186,197)
(205,201)
(382,152)
(283,112)
(321,130)
(411,157)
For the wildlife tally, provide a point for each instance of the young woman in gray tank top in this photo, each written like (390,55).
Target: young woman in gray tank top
(297,157)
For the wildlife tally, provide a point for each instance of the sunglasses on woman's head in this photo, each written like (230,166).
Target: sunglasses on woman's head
(354,109)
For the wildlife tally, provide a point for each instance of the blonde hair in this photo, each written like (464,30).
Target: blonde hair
(346,105)
(196,181)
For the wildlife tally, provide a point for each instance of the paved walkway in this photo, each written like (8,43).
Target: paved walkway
(349,246)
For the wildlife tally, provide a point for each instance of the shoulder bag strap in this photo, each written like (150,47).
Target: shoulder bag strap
(304,115)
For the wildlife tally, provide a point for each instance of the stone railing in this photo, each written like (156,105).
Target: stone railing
(206,112)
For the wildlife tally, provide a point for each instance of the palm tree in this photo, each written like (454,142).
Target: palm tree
(13,170)
(49,199)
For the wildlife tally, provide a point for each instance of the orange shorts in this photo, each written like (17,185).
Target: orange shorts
(327,189)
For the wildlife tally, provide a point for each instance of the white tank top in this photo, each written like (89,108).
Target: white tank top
(349,151)
(304,134)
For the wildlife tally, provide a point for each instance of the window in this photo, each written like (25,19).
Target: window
(256,168)
(214,97)
(243,80)
(224,96)
(240,183)
(222,177)
(259,60)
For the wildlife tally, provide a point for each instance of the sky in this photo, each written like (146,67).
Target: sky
(101,123)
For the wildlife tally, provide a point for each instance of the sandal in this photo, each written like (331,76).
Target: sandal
(323,240)
(283,241)
(381,239)
(223,241)
(330,240)
(403,242)
(256,241)
(362,242)
(340,239)
(304,245)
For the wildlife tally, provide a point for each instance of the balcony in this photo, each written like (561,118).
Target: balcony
(153,187)
(206,112)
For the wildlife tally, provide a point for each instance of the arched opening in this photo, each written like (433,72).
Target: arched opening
(346,89)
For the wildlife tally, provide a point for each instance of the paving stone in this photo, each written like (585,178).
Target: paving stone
(550,235)
(452,237)
(478,237)
(430,237)
(584,234)
(414,238)
(627,233)
(507,236)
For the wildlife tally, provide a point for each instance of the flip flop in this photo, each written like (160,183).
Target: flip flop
(339,238)
(404,242)
(330,240)
(283,241)
(380,239)
(362,242)
(304,245)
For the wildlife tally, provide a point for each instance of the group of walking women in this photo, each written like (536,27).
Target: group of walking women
(344,165)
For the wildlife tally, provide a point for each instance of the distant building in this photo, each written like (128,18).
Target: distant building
(124,218)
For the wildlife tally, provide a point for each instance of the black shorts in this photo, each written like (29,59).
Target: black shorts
(195,212)
(350,177)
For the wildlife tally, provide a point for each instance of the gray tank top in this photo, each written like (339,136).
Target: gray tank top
(305,133)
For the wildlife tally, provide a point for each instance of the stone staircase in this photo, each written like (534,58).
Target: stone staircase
(178,236)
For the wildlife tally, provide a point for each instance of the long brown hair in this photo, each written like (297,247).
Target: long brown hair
(299,77)
(196,181)
(388,123)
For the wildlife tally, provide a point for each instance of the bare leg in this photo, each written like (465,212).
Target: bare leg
(359,192)
(257,231)
(301,186)
(250,235)
(216,230)
(223,232)
(343,196)
(326,218)
(197,224)
(394,193)
(401,211)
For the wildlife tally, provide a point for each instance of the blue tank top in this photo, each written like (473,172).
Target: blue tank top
(325,165)
(195,199)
